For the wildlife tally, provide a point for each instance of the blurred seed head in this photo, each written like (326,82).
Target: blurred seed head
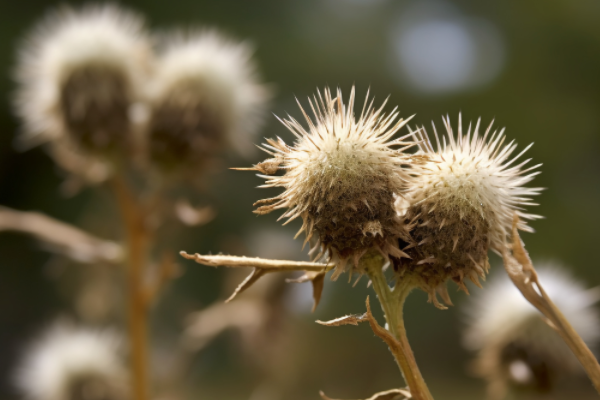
(342,176)
(462,202)
(79,75)
(206,95)
(515,347)
(69,363)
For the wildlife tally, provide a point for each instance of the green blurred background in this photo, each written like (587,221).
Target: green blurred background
(534,66)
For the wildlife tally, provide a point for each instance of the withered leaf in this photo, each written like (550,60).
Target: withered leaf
(254,276)
(352,319)
(317,279)
(61,237)
(267,167)
(393,394)
(255,262)
(521,271)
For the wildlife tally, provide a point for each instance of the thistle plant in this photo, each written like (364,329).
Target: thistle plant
(68,362)
(516,349)
(80,76)
(366,204)
(461,203)
(206,97)
(341,178)
(143,124)
(84,93)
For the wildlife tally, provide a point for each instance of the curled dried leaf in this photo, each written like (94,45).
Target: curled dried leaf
(317,279)
(393,394)
(352,319)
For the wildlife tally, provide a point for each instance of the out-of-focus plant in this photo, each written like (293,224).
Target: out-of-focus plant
(68,362)
(515,348)
(112,111)
(367,205)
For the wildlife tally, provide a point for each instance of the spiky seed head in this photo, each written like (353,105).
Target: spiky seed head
(80,74)
(461,202)
(342,176)
(70,363)
(206,95)
(513,343)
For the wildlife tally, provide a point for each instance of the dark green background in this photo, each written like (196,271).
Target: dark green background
(548,92)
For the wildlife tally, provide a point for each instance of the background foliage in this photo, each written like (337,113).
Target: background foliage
(544,86)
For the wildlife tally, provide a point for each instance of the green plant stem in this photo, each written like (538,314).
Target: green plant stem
(137,250)
(392,303)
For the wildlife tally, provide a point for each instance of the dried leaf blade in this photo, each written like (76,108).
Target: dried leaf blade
(352,319)
(392,394)
(317,279)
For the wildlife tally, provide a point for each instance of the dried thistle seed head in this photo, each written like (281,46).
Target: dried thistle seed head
(461,202)
(513,343)
(342,177)
(206,95)
(79,75)
(70,363)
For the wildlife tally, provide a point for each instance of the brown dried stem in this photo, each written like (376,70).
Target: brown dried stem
(520,269)
(137,247)
(392,303)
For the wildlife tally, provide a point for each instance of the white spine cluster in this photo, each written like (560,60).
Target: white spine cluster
(205,94)
(61,59)
(462,201)
(342,177)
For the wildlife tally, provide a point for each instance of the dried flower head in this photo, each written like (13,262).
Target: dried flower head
(70,363)
(342,177)
(79,76)
(515,346)
(462,202)
(206,95)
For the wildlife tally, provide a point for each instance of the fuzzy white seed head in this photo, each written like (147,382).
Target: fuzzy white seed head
(462,201)
(206,94)
(514,344)
(79,74)
(69,363)
(342,176)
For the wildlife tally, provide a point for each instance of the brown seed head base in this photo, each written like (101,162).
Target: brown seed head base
(342,177)
(95,100)
(461,203)
(186,128)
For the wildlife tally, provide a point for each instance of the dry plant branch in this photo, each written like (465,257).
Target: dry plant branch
(398,348)
(137,251)
(61,237)
(313,272)
(521,271)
